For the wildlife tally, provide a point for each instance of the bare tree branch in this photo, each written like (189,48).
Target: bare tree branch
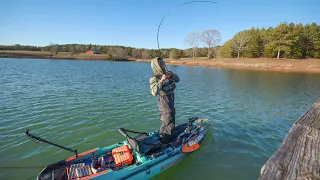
(54,49)
(118,52)
(192,40)
(211,38)
(145,54)
(240,41)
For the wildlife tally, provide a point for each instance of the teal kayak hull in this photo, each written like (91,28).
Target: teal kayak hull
(152,167)
(143,167)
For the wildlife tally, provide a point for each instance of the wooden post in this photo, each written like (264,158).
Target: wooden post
(298,157)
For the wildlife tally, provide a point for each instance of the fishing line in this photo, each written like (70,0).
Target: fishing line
(205,122)
(189,2)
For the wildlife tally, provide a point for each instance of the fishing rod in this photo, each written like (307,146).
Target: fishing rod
(189,2)
(31,167)
(54,144)
(48,167)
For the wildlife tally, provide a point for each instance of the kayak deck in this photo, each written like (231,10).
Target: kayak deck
(100,163)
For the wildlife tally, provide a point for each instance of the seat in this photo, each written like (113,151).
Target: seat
(145,144)
(142,143)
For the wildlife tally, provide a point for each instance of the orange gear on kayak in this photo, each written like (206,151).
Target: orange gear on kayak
(122,155)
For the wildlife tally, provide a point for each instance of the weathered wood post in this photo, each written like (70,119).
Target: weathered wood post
(298,157)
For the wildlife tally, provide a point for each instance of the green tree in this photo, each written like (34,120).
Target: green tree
(264,36)
(280,39)
(227,50)
(295,45)
(311,45)
(175,54)
(253,48)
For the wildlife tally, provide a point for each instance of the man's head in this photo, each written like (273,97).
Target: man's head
(158,66)
(161,63)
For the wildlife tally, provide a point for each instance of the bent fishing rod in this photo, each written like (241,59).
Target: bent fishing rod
(189,2)
(48,142)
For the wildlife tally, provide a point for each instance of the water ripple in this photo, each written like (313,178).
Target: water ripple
(81,104)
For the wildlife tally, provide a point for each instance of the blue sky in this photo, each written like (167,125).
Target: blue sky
(135,22)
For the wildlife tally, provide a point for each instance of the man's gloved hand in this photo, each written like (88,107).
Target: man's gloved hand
(169,73)
(164,77)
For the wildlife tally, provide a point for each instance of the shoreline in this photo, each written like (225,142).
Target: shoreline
(46,55)
(259,64)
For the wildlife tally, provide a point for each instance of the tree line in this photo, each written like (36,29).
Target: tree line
(294,41)
(110,52)
(284,41)
(20,47)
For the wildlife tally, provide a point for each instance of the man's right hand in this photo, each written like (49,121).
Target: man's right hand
(164,77)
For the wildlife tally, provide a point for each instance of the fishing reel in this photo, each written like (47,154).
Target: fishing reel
(190,122)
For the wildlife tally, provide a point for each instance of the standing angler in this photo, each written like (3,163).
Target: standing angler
(162,84)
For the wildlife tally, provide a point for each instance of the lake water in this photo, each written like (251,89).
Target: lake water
(81,104)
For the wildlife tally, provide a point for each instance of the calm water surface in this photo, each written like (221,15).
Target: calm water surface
(81,104)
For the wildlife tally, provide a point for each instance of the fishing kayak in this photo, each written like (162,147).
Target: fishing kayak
(141,156)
